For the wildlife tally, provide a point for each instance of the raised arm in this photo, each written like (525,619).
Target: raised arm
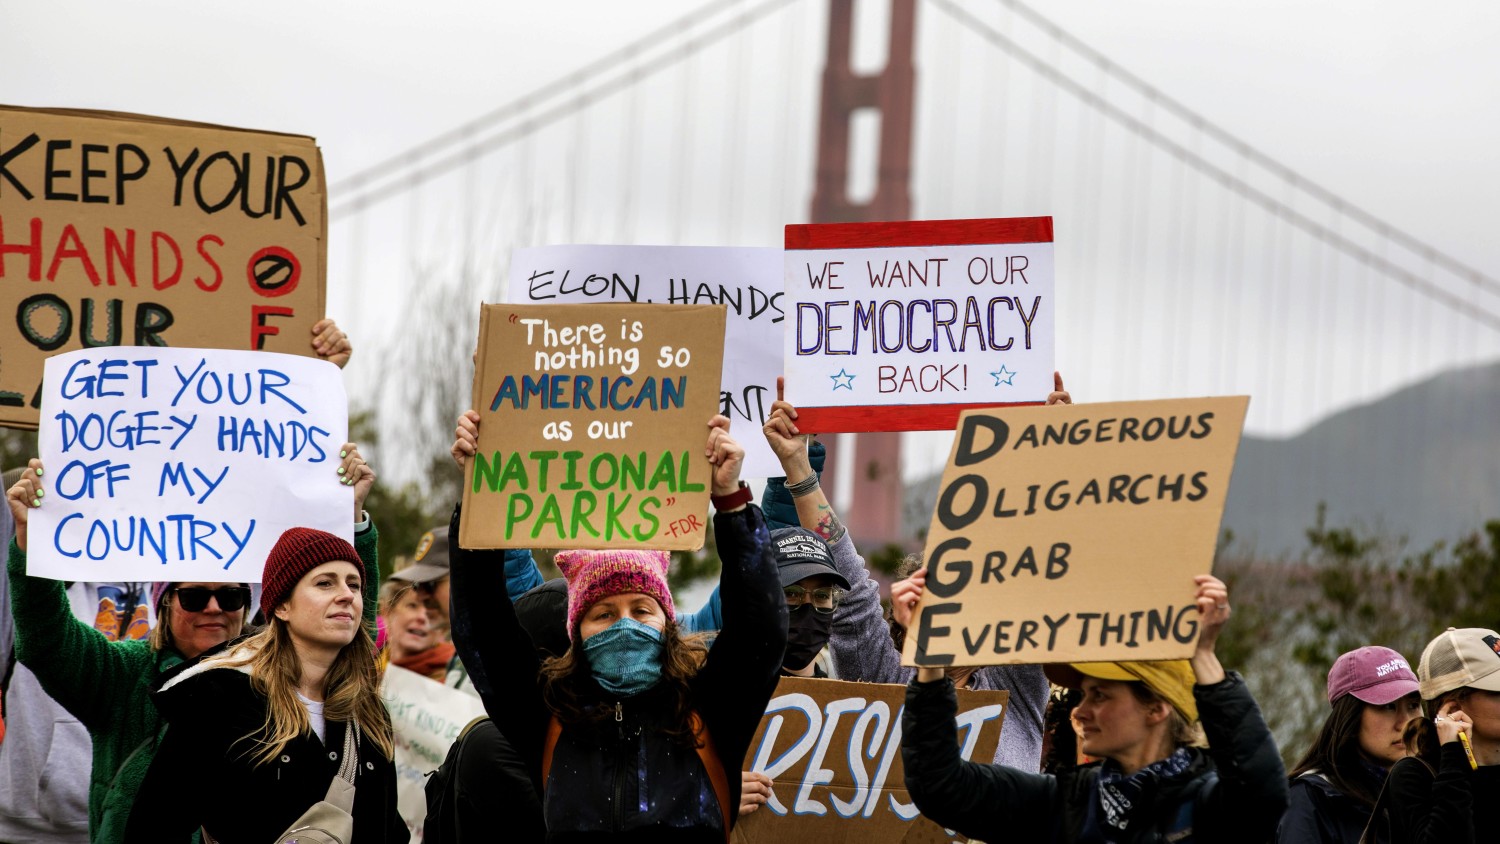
(1251,795)
(741,672)
(70,659)
(495,648)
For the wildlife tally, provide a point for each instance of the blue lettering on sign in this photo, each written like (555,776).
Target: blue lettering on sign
(85,386)
(176,537)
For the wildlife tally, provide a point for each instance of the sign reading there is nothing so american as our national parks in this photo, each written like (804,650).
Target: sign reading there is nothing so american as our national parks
(593,422)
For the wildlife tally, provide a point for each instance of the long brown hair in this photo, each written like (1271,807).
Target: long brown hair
(351,689)
(1335,753)
(565,683)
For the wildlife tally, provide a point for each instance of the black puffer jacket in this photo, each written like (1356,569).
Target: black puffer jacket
(620,778)
(1457,805)
(1234,792)
(202,775)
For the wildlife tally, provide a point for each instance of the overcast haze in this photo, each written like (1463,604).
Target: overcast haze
(1389,106)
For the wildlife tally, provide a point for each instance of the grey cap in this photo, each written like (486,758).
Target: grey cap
(801,553)
(431,560)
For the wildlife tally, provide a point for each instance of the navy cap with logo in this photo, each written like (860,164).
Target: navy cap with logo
(800,553)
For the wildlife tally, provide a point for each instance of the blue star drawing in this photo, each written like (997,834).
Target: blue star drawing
(1004,376)
(847,383)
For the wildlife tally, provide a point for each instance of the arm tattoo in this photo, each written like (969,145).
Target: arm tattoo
(829,527)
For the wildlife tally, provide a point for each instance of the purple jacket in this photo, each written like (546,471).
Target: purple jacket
(863,652)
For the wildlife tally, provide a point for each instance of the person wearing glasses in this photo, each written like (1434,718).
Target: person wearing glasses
(106,684)
(813,589)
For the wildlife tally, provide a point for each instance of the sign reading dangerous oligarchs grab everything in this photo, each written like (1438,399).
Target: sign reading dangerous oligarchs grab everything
(125,230)
(902,326)
(1072,533)
(593,421)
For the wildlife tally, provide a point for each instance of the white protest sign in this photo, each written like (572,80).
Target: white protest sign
(184,464)
(902,326)
(746,279)
(427,717)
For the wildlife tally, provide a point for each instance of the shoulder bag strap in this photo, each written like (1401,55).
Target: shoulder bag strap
(350,766)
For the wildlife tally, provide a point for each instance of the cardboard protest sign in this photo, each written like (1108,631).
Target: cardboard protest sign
(1072,533)
(746,280)
(593,420)
(426,717)
(120,229)
(184,464)
(833,750)
(902,326)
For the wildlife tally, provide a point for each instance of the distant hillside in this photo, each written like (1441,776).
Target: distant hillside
(1423,463)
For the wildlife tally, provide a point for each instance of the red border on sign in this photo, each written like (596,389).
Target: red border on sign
(919,233)
(889,417)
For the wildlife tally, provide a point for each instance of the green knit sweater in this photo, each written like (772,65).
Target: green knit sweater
(106,685)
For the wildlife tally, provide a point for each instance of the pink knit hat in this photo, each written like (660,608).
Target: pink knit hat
(594,575)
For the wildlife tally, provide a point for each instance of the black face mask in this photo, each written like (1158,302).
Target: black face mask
(807,634)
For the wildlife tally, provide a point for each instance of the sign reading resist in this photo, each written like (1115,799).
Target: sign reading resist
(1072,533)
(184,464)
(833,750)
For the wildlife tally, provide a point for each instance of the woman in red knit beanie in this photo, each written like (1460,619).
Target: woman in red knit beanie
(289,719)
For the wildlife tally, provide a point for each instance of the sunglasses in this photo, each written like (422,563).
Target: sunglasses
(195,598)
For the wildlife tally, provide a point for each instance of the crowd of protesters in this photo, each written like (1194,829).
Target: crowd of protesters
(250,713)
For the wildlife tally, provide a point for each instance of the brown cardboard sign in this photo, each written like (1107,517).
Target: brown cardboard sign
(593,420)
(127,230)
(833,750)
(1073,533)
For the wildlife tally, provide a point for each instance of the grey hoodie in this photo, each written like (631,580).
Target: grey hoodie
(863,651)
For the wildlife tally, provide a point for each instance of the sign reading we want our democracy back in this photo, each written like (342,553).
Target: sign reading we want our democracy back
(593,421)
(902,326)
(120,229)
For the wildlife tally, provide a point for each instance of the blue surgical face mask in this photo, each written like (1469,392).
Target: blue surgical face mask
(625,658)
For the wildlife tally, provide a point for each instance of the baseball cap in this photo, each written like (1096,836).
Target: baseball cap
(801,553)
(1460,657)
(1372,674)
(1171,679)
(431,560)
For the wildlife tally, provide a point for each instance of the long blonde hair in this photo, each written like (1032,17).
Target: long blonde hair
(351,690)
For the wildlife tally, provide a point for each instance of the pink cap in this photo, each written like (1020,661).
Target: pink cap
(1372,674)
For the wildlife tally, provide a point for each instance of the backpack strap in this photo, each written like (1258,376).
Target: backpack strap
(712,765)
(715,768)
